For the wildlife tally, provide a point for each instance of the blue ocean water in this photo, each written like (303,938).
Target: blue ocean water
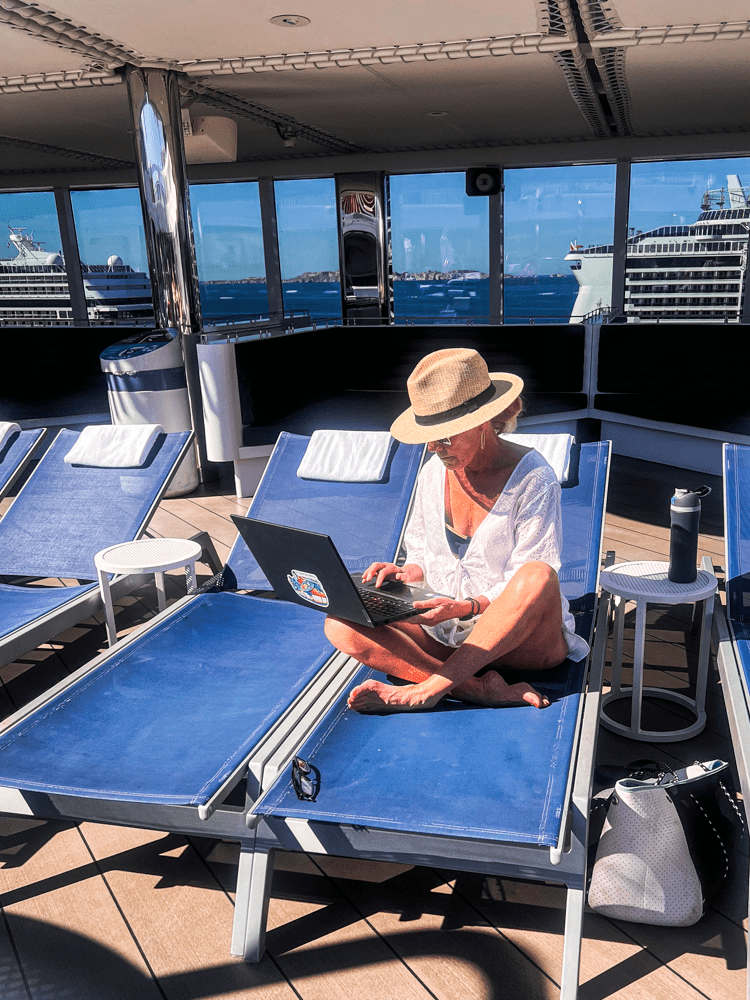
(545,297)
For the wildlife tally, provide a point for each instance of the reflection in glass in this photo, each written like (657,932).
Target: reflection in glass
(33,281)
(687,241)
(547,211)
(229,251)
(440,249)
(365,278)
(308,246)
(112,248)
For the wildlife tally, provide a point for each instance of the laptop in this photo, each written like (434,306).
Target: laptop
(305,567)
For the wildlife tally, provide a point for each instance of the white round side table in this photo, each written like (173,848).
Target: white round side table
(647,583)
(145,555)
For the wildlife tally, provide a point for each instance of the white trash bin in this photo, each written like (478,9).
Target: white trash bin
(146,385)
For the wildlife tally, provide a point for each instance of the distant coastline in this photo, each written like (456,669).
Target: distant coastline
(441,300)
(332,276)
(318,277)
(301,279)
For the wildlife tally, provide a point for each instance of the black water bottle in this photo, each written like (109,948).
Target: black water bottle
(684,518)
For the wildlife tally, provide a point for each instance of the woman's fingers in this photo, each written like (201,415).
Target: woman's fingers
(434,602)
(370,572)
(379,569)
(388,570)
(436,610)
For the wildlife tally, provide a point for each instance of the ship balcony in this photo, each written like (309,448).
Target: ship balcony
(674,305)
(675,287)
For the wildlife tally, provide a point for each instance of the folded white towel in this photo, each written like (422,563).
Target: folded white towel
(346,456)
(6,429)
(118,446)
(554,447)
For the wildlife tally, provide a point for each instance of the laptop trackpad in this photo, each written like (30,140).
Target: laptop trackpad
(394,588)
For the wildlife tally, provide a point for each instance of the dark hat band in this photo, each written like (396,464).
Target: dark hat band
(457,411)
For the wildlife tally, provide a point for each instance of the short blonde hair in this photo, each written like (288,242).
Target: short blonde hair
(506,422)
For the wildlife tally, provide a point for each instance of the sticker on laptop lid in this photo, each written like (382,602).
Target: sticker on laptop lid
(308,587)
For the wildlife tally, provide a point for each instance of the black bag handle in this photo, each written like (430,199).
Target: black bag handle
(647,767)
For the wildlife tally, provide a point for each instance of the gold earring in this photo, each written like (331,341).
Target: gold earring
(482,444)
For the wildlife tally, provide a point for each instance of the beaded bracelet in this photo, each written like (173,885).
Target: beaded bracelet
(475,606)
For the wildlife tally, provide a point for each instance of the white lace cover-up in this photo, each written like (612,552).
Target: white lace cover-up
(525,525)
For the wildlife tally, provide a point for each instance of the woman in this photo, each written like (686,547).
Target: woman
(486,532)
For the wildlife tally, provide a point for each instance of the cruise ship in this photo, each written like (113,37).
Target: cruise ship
(34,287)
(675,273)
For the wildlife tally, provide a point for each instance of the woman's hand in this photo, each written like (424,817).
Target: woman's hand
(440,609)
(381,571)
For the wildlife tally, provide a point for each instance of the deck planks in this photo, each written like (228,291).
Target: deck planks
(150,915)
(179,915)
(65,925)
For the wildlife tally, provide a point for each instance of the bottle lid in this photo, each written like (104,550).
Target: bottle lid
(689,498)
(685,500)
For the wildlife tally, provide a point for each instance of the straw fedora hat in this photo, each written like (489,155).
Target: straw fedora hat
(452,391)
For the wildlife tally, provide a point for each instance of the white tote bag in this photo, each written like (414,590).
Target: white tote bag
(664,848)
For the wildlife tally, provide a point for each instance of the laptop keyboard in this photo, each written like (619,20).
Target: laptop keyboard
(380,604)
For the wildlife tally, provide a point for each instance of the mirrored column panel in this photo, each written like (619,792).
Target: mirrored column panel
(365,272)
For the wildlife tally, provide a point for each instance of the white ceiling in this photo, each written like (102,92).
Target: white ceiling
(372,79)
(186,30)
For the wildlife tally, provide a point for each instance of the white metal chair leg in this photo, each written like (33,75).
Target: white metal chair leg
(703,652)
(617,640)
(572,947)
(161,593)
(251,903)
(109,611)
(639,654)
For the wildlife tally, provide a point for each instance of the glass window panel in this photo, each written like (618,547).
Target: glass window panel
(229,250)
(112,248)
(699,201)
(308,246)
(33,282)
(549,212)
(440,249)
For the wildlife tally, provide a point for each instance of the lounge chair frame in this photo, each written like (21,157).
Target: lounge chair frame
(222,814)
(85,599)
(228,814)
(17,453)
(726,625)
(563,863)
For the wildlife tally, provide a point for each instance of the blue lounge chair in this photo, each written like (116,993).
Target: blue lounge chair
(226,687)
(732,624)
(362,518)
(157,731)
(438,796)
(61,518)
(16,454)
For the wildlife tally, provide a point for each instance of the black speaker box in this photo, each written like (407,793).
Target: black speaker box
(483,181)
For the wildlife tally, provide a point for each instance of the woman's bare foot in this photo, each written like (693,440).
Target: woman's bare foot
(374,696)
(491,689)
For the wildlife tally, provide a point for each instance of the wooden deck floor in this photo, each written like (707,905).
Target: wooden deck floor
(93,912)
